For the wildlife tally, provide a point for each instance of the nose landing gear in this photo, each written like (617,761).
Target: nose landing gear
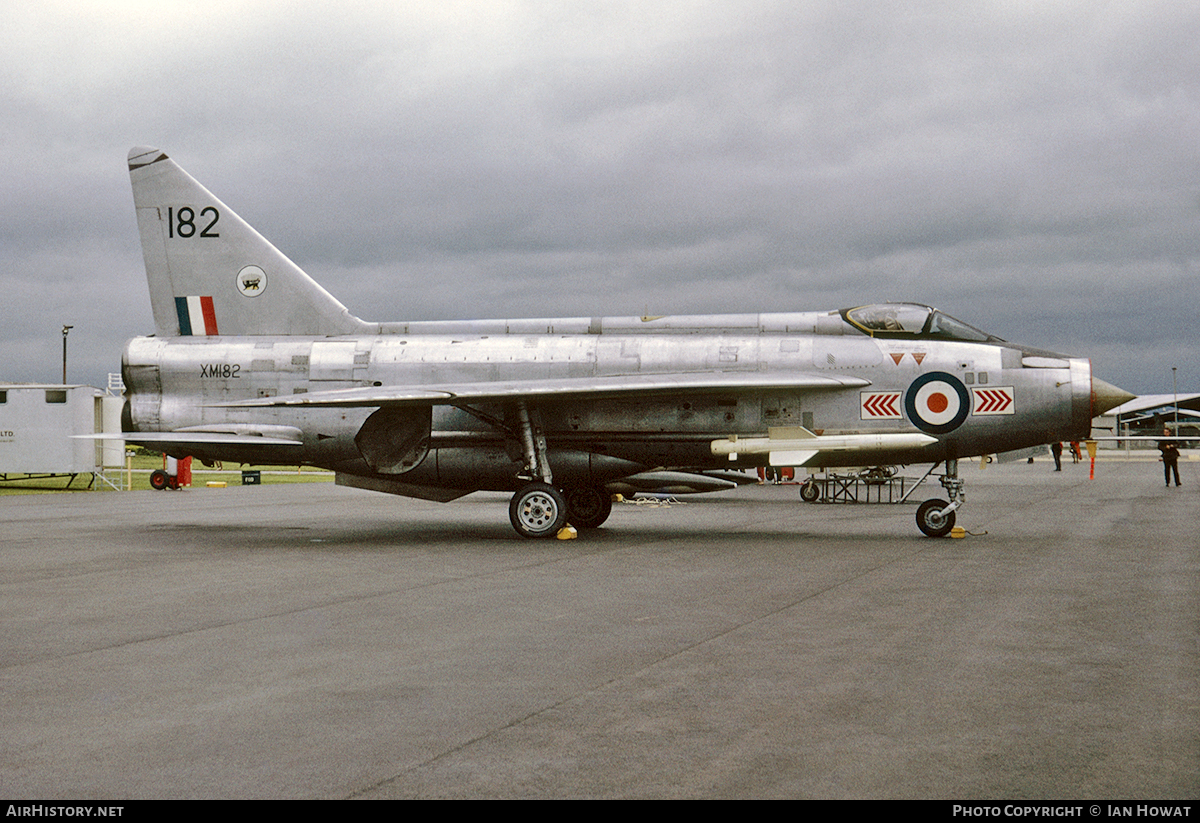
(935,518)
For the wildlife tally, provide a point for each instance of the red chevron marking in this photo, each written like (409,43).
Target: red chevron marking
(880,405)
(994,400)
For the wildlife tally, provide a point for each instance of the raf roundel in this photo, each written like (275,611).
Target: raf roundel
(937,403)
(251,281)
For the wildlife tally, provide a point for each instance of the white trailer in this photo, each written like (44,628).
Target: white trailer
(40,425)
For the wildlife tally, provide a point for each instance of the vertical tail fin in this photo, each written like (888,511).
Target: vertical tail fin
(211,273)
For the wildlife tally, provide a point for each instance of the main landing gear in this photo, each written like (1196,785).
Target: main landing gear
(936,517)
(588,507)
(539,508)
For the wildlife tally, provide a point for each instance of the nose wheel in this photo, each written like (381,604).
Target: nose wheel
(931,521)
(935,518)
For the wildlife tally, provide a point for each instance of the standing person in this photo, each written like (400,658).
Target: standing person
(1076,455)
(1170,458)
(1056,450)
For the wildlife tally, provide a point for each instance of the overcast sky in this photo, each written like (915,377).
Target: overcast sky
(1029,166)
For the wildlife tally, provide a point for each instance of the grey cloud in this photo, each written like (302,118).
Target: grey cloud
(1027,167)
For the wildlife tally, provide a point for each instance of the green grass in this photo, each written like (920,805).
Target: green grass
(144,464)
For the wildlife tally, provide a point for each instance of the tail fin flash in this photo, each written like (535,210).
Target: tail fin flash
(211,273)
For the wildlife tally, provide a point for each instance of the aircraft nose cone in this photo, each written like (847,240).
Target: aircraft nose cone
(1106,396)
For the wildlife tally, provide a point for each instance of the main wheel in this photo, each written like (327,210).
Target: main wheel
(159,480)
(930,521)
(810,492)
(538,510)
(587,507)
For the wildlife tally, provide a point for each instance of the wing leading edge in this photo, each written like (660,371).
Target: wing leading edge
(202,438)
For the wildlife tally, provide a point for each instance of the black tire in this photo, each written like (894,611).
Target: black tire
(587,507)
(159,480)
(810,492)
(930,522)
(538,510)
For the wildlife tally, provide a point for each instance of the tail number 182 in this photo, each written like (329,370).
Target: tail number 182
(182,223)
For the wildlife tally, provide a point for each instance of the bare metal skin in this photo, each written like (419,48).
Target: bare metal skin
(254,362)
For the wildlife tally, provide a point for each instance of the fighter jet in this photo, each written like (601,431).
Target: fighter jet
(254,362)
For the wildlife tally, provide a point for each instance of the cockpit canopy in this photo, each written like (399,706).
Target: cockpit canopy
(912,321)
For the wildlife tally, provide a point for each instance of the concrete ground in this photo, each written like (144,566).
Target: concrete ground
(317,641)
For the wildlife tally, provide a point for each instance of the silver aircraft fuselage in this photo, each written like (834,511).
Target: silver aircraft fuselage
(253,361)
(179,384)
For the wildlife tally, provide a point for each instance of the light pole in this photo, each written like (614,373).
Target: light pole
(1175,389)
(65,330)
